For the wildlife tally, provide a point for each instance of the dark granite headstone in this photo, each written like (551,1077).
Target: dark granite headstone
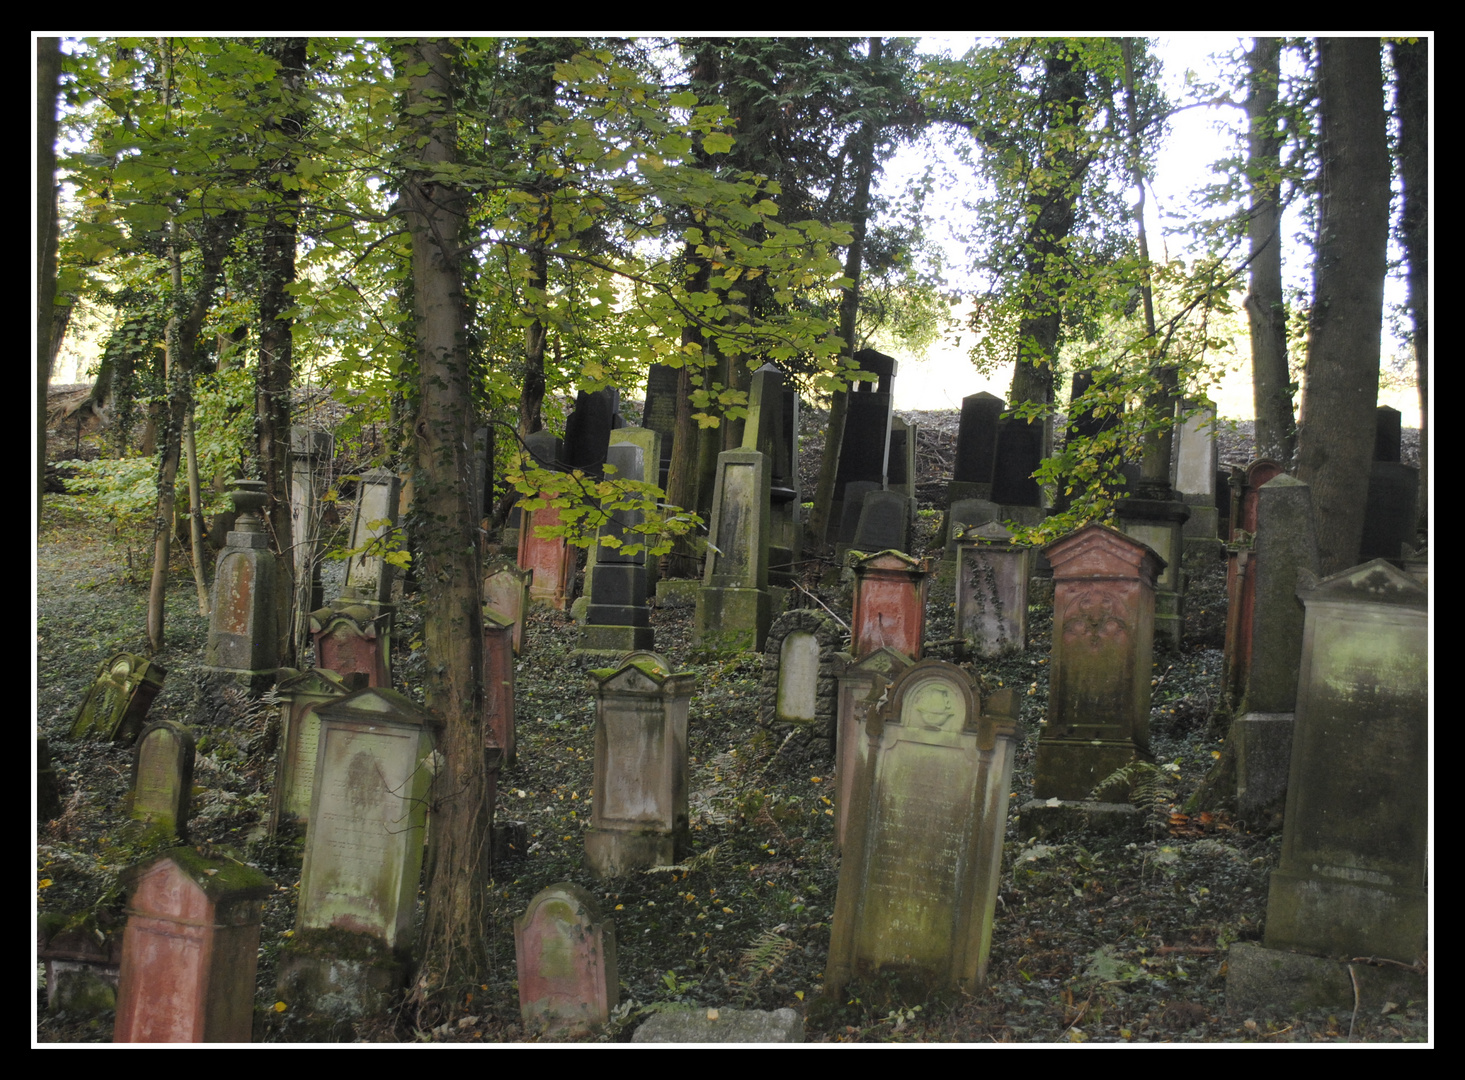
(1387,434)
(976,438)
(854,501)
(1019,453)
(660,412)
(588,428)
(884,516)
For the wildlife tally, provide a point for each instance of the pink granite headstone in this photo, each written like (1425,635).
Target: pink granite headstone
(190,950)
(567,962)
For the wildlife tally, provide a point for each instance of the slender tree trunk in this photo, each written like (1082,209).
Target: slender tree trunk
(445,533)
(1411,75)
(816,533)
(48,78)
(1266,309)
(683,477)
(195,518)
(1335,443)
(276,372)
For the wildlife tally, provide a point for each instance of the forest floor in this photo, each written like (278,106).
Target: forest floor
(1097,939)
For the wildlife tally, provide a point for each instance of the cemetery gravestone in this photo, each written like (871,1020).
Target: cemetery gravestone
(734,606)
(498,684)
(1240,586)
(307,449)
(855,493)
(567,962)
(246,625)
(861,685)
(300,695)
(922,862)
(116,707)
(550,559)
(1194,477)
(798,672)
(162,779)
(1103,644)
(889,604)
(190,951)
(373,527)
(1351,881)
(618,619)
(864,454)
(992,591)
(354,636)
(506,592)
(638,814)
(884,522)
(588,428)
(1019,453)
(660,412)
(1391,514)
(965,514)
(976,447)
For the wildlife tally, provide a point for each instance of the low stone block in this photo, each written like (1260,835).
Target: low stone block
(1259,979)
(722,1026)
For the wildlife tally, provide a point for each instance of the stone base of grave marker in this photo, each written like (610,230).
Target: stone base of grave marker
(733,620)
(81,971)
(1259,979)
(722,1026)
(1041,819)
(1263,746)
(330,976)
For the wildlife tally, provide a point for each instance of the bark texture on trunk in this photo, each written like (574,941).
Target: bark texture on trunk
(1336,436)
(1411,75)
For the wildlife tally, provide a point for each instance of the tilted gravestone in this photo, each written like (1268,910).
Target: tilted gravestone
(506,592)
(922,861)
(798,685)
(300,695)
(734,606)
(638,815)
(861,685)
(498,684)
(162,779)
(889,604)
(566,957)
(588,428)
(992,590)
(307,449)
(1103,647)
(363,854)
(864,453)
(772,430)
(190,950)
(116,706)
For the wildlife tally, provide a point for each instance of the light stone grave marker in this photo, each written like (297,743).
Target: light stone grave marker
(116,706)
(992,590)
(162,779)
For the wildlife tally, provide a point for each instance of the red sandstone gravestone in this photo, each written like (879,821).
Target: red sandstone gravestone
(889,604)
(567,962)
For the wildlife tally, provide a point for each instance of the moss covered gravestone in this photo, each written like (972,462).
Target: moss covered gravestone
(922,861)
(566,956)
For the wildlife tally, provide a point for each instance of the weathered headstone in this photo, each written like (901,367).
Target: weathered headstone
(798,672)
(889,604)
(976,448)
(245,622)
(1019,453)
(567,962)
(498,684)
(884,522)
(901,467)
(922,861)
(354,636)
(1099,677)
(855,493)
(992,590)
(1240,586)
(190,951)
(300,695)
(373,525)
(1354,846)
(650,443)
(638,812)
(82,963)
(618,619)
(551,559)
(116,706)
(162,779)
(965,514)
(308,448)
(861,685)
(1160,525)
(864,452)
(660,412)
(772,430)
(506,593)
(734,607)
(588,428)
(1391,512)
(1388,434)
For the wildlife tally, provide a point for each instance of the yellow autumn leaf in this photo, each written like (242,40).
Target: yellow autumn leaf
(280,1006)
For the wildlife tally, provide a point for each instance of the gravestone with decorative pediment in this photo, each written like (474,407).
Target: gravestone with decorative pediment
(566,955)
(116,707)
(889,604)
(300,694)
(1100,671)
(506,592)
(638,815)
(363,854)
(922,860)
(353,636)
(190,950)
(246,623)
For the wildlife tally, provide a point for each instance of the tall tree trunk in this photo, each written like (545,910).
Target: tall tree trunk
(1411,81)
(849,308)
(1336,437)
(275,373)
(453,958)
(1266,309)
(684,473)
(48,79)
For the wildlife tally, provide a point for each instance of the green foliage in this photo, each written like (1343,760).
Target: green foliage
(1148,786)
(123,489)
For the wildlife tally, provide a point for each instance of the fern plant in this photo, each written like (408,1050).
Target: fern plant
(1148,786)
